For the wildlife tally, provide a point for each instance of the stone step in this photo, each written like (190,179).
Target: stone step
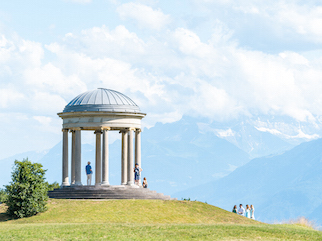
(56,195)
(110,197)
(111,192)
(86,197)
(107,194)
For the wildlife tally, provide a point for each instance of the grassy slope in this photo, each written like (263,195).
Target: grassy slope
(143,220)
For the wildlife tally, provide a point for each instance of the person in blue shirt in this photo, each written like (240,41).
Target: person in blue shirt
(137,171)
(89,172)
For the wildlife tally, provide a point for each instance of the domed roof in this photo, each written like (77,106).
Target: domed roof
(102,100)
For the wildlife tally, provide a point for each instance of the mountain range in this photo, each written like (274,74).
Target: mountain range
(214,162)
(281,187)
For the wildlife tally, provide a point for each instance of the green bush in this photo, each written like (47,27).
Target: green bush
(27,192)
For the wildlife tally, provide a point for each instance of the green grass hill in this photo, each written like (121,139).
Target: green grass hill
(143,220)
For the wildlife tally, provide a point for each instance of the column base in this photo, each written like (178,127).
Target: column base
(105,184)
(64,184)
(131,184)
(77,184)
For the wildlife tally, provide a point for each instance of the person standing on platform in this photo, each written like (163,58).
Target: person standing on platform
(137,171)
(89,172)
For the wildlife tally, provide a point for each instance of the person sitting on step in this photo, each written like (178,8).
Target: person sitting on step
(145,183)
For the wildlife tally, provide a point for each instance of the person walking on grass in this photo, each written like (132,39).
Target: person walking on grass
(137,170)
(252,211)
(235,209)
(88,170)
(241,210)
(247,211)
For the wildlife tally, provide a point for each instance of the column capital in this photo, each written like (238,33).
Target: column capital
(76,129)
(72,131)
(98,132)
(65,130)
(138,130)
(124,130)
(132,129)
(105,128)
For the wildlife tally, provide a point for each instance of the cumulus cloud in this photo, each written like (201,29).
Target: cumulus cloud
(9,97)
(50,77)
(268,25)
(145,16)
(216,79)
(172,73)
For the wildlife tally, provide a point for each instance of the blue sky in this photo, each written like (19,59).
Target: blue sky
(214,59)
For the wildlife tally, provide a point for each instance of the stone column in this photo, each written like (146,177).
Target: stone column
(98,158)
(130,166)
(105,163)
(72,179)
(138,150)
(78,158)
(65,181)
(124,157)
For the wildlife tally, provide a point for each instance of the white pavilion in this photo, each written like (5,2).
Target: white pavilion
(101,111)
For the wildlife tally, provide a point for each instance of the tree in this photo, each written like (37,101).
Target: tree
(27,192)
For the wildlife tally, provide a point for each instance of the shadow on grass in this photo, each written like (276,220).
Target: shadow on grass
(5,217)
(3,214)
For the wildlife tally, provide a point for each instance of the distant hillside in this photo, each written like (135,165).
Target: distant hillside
(280,187)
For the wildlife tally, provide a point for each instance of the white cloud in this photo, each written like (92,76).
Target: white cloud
(145,16)
(50,77)
(189,43)
(215,79)
(9,97)
(304,19)
(46,103)
(277,21)
(168,72)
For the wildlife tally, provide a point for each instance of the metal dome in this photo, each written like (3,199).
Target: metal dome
(102,100)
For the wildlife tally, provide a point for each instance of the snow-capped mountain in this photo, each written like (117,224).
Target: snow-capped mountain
(264,135)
